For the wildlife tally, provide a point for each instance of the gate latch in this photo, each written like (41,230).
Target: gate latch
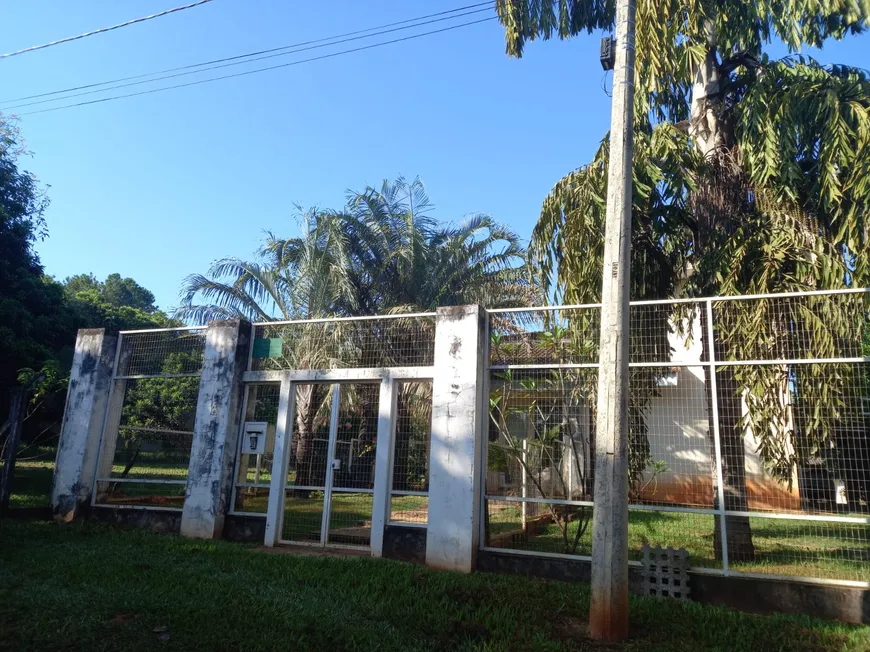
(336,465)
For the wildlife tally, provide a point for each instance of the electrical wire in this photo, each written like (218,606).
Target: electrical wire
(604,84)
(246,61)
(256,70)
(104,29)
(249,54)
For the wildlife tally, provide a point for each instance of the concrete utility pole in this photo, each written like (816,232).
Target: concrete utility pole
(608,614)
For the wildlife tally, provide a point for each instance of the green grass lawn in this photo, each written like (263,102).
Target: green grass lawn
(257,499)
(31,483)
(303,514)
(86,587)
(783,547)
(153,470)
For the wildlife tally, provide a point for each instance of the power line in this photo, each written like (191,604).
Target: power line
(250,54)
(256,70)
(246,61)
(104,29)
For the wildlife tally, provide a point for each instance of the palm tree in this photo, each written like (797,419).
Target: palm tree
(383,254)
(297,278)
(405,261)
(751,175)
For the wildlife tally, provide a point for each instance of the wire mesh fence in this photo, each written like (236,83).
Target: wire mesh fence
(329,491)
(305,488)
(409,502)
(254,471)
(749,429)
(353,473)
(148,434)
(345,343)
(749,432)
(161,352)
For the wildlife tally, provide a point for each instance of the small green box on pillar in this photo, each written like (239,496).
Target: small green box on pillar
(268,347)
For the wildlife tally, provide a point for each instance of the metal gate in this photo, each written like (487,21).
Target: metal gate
(330,482)
(331,474)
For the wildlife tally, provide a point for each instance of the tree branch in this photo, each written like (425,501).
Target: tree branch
(743,58)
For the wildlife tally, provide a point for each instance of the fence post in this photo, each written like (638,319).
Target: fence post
(216,429)
(525,483)
(711,355)
(280,462)
(16,419)
(83,417)
(383,464)
(458,417)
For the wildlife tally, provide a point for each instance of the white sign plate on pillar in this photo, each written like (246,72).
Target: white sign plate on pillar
(254,437)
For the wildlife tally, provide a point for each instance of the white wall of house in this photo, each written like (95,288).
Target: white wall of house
(678,423)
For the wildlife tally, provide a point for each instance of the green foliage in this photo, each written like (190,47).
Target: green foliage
(32,321)
(382,253)
(163,403)
(117,304)
(755,181)
(672,35)
(43,382)
(90,309)
(554,441)
(115,291)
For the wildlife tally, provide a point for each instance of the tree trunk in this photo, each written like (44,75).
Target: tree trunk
(732,443)
(308,401)
(706,128)
(720,197)
(732,447)
(131,455)
(363,473)
(18,400)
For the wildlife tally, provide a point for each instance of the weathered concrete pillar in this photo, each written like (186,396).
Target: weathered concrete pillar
(215,433)
(458,420)
(86,401)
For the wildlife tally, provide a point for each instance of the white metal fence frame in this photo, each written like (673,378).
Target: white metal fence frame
(387,377)
(711,363)
(118,405)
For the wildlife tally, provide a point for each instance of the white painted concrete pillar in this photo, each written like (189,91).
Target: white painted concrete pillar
(86,401)
(384,464)
(458,420)
(215,432)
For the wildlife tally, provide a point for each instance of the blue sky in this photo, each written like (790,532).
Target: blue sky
(157,187)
